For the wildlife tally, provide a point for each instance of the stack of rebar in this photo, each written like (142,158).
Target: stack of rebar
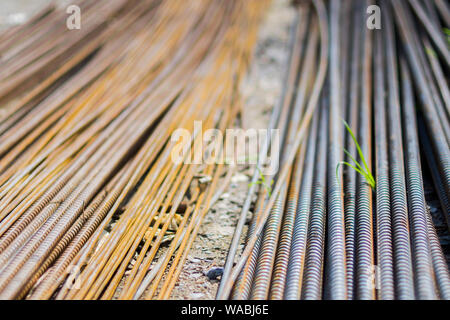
(102,197)
(347,217)
(89,190)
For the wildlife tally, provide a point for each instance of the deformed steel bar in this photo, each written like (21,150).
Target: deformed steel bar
(400,221)
(364,255)
(335,252)
(352,120)
(383,219)
(313,273)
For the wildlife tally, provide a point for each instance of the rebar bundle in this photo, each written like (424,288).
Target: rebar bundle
(330,229)
(88,185)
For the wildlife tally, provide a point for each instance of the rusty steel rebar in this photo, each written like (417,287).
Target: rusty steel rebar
(94,204)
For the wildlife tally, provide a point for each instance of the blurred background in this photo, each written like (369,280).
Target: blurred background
(14,12)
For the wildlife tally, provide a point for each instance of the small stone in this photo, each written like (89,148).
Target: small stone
(194,260)
(239,177)
(205,179)
(196,295)
(249,217)
(214,273)
(195,275)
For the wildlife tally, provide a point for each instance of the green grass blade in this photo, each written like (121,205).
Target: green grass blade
(366,173)
(361,155)
(353,167)
(353,159)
